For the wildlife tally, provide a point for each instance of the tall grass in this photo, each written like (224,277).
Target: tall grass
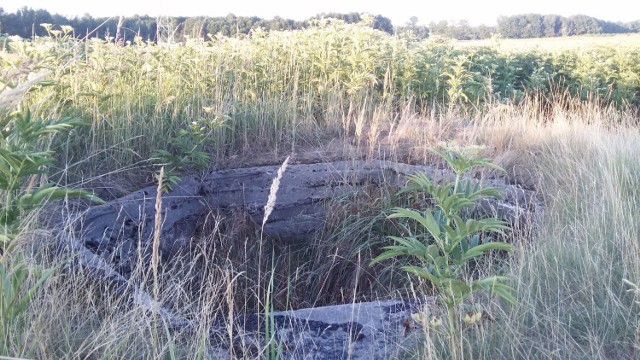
(568,269)
(274,92)
(573,303)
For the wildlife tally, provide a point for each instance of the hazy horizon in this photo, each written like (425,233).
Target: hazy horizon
(399,12)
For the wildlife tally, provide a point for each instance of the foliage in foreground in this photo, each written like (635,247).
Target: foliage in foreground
(21,193)
(563,310)
(447,242)
(21,163)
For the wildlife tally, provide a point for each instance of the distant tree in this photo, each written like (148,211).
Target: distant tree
(25,22)
(609,27)
(144,26)
(552,25)
(440,28)
(484,31)
(633,26)
(85,25)
(383,24)
(413,30)
(2,15)
(461,30)
(350,18)
(278,23)
(22,23)
(250,23)
(535,25)
(580,25)
(195,27)
(509,27)
(532,26)
(168,30)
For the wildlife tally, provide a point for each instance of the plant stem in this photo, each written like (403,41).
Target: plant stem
(453,332)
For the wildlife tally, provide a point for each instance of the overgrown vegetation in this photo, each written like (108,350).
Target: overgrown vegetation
(446,242)
(563,123)
(274,92)
(24,189)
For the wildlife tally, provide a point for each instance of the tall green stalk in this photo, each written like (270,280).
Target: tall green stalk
(22,163)
(447,242)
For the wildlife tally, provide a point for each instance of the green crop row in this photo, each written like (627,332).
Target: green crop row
(278,88)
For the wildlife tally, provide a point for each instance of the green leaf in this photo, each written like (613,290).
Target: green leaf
(464,245)
(456,289)
(427,221)
(494,284)
(481,249)
(49,192)
(433,251)
(93,198)
(418,181)
(484,193)
(422,273)
(474,241)
(441,262)
(452,236)
(456,253)
(506,293)
(386,255)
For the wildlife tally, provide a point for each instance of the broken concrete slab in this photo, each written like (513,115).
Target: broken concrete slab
(367,330)
(122,229)
(118,228)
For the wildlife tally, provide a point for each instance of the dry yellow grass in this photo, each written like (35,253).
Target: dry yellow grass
(572,302)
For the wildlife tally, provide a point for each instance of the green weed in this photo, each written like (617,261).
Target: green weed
(446,242)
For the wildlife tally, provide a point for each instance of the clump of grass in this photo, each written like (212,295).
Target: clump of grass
(572,301)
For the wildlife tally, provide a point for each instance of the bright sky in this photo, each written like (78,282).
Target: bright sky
(399,11)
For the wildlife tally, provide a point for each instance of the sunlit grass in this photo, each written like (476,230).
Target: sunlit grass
(558,43)
(273,93)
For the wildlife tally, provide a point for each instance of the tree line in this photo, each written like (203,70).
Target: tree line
(533,26)
(26,23)
(536,25)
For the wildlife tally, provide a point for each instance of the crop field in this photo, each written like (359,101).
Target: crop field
(559,117)
(558,43)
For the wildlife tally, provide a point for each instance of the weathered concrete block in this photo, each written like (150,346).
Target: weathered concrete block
(120,229)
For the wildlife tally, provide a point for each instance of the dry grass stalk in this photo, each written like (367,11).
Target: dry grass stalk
(10,97)
(156,234)
(275,185)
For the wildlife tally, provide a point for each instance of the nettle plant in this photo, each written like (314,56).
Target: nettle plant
(447,239)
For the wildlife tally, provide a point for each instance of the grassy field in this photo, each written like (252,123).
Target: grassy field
(558,43)
(561,119)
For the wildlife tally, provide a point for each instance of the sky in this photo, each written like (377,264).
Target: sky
(399,11)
